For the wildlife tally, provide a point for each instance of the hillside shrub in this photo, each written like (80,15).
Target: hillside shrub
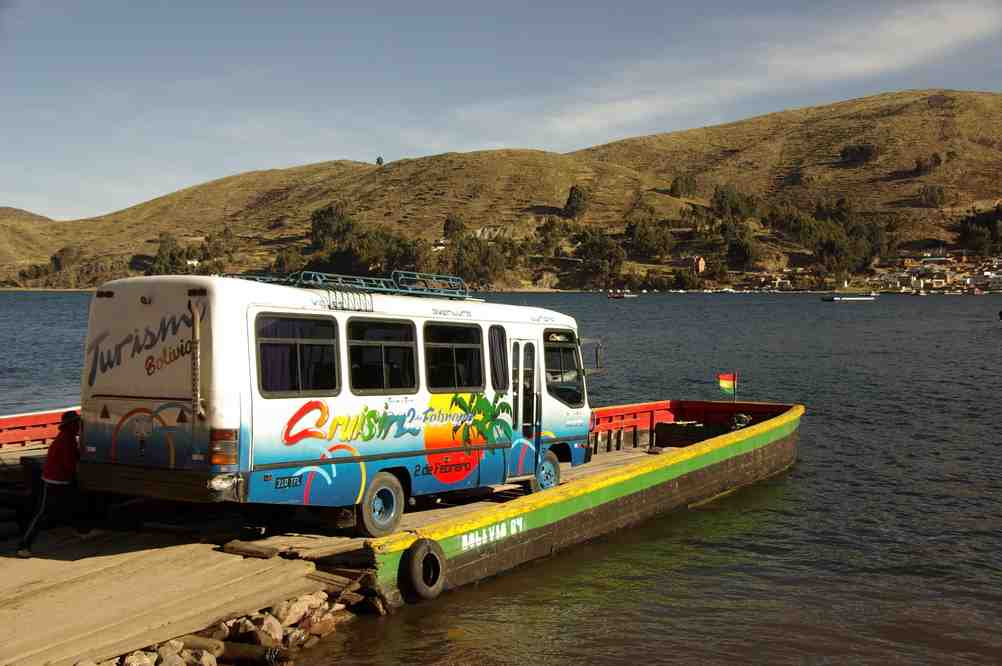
(859,153)
(551,234)
(601,258)
(982,231)
(171,258)
(287,260)
(66,257)
(926,165)
(330,225)
(730,203)
(683,186)
(688,280)
(743,250)
(577,202)
(649,240)
(932,196)
(454,227)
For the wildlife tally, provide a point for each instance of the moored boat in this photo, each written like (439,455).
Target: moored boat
(835,298)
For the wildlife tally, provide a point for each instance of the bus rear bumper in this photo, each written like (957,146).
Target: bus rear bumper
(168,484)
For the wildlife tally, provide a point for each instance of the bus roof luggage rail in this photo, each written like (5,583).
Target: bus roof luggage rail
(407,283)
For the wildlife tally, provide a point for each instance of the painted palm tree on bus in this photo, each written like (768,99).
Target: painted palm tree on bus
(484,418)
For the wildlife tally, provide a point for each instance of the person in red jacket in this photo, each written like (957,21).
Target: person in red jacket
(58,497)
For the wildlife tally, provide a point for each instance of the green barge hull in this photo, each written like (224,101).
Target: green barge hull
(648,459)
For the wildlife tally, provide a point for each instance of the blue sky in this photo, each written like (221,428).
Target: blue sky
(105,104)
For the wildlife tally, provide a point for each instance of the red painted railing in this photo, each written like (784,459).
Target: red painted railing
(611,426)
(33,430)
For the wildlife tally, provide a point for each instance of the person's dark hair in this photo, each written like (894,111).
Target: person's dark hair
(69,418)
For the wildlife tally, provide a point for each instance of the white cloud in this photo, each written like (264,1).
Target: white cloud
(906,37)
(649,91)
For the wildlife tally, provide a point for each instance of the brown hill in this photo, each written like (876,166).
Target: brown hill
(792,154)
(796,153)
(268,210)
(23,235)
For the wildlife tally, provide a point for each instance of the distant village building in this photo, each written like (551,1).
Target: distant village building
(698,265)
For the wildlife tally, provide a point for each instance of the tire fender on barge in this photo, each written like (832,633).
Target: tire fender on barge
(424,569)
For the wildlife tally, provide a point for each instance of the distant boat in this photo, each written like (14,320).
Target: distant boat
(834,298)
(621,294)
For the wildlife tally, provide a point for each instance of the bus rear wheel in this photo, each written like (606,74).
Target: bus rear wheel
(382,506)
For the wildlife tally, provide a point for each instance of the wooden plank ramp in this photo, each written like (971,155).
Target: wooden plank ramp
(117,592)
(121,591)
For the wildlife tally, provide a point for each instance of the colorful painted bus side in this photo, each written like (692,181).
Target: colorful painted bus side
(226,389)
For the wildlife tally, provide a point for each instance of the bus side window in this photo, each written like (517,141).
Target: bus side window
(454,358)
(515,384)
(529,392)
(499,358)
(383,356)
(296,356)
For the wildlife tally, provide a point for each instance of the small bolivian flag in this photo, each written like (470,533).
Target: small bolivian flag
(728,382)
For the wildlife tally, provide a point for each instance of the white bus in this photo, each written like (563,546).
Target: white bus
(329,390)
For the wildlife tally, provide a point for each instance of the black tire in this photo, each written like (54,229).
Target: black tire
(547,473)
(382,506)
(425,569)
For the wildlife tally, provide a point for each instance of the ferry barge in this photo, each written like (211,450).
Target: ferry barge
(443,439)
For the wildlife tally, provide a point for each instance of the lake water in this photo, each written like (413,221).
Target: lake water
(882,544)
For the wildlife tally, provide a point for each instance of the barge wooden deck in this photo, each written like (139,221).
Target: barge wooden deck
(121,591)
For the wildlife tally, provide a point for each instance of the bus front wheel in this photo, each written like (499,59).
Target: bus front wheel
(547,474)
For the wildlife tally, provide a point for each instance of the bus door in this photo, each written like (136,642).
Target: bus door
(526,405)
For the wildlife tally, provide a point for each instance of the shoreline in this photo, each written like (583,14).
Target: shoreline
(75,290)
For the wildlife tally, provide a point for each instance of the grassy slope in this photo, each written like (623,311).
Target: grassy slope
(22,235)
(516,188)
(764,154)
(270,209)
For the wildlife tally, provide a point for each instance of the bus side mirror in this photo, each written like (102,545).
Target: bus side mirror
(598,355)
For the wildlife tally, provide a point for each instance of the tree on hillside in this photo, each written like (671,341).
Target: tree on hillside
(683,186)
(379,161)
(170,258)
(859,153)
(551,234)
(330,225)
(577,202)
(66,257)
(477,261)
(288,260)
(932,196)
(687,280)
(729,203)
(602,257)
(372,251)
(840,211)
(981,231)
(649,240)
(743,250)
(454,227)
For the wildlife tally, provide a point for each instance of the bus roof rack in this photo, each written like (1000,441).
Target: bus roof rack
(407,283)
